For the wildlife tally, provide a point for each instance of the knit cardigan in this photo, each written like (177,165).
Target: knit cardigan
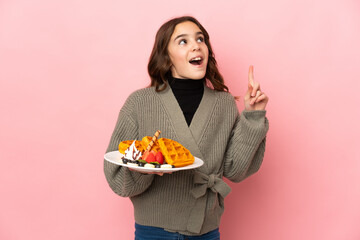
(190,202)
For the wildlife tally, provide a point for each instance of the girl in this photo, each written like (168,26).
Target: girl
(189,102)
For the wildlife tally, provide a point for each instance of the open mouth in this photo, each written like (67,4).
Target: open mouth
(196,61)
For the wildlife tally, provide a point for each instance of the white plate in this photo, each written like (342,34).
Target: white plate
(115,157)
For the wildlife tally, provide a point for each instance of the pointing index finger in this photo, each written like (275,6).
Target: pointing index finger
(251,75)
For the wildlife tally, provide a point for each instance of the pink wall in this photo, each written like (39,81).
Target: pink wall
(66,68)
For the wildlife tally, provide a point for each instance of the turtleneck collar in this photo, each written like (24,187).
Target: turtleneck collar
(188,93)
(186,84)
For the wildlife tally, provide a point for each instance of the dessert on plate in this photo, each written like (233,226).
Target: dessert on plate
(155,153)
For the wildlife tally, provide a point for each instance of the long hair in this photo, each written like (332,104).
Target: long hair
(160,64)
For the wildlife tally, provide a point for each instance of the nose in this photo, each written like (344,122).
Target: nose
(195,46)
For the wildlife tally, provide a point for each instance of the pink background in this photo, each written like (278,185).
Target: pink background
(67,66)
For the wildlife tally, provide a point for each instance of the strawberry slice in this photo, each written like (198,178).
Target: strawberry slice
(150,158)
(159,158)
(145,155)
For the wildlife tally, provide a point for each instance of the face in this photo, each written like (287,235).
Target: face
(188,51)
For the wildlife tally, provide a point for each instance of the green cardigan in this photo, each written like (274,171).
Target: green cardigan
(189,202)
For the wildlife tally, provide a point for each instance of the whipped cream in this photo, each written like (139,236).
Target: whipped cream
(132,153)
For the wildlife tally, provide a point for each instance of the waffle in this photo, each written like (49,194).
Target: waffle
(140,145)
(145,142)
(175,153)
(126,144)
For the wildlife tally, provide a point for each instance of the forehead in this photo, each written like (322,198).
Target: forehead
(187,27)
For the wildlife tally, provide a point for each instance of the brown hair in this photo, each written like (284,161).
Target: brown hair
(160,64)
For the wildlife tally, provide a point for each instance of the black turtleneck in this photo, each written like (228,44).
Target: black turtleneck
(188,93)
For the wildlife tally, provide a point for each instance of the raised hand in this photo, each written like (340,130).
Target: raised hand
(254,98)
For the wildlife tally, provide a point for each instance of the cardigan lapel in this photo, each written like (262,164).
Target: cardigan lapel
(189,136)
(202,114)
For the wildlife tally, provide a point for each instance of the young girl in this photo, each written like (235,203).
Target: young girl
(189,102)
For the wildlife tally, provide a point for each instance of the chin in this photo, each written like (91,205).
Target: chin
(198,76)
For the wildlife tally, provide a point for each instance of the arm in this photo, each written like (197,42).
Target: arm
(246,147)
(121,180)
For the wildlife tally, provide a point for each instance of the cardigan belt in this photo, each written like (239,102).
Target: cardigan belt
(202,183)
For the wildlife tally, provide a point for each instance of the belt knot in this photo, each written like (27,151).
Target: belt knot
(213,181)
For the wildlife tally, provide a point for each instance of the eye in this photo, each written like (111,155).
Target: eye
(182,41)
(200,39)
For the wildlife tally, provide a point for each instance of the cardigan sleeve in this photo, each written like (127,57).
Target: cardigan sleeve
(121,180)
(246,147)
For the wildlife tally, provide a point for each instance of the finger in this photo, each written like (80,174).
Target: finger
(247,95)
(261,97)
(255,89)
(251,76)
(258,93)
